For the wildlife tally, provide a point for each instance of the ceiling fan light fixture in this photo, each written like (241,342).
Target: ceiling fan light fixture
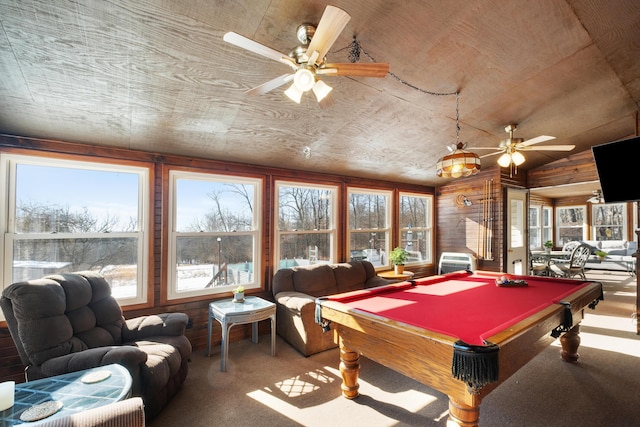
(321,90)
(294,94)
(504,160)
(517,158)
(304,79)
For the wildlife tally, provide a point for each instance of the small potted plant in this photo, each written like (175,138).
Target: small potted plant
(238,294)
(600,254)
(398,258)
(548,245)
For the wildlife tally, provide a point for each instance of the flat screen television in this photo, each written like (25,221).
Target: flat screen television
(618,166)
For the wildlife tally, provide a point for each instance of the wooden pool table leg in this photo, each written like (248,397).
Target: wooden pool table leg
(570,342)
(462,415)
(350,370)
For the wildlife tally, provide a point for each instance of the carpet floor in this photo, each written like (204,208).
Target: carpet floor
(603,389)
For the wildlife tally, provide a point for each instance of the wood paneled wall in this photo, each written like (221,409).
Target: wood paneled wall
(575,168)
(460,228)
(10,364)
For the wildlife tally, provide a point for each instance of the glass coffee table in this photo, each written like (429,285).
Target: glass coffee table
(229,313)
(71,393)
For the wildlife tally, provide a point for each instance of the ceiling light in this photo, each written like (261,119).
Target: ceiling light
(459,162)
(504,160)
(304,79)
(294,93)
(321,90)
(517,158)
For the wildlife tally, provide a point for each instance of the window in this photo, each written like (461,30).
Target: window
(369,229)
(609,221)
(540,229)
(570,223)
(416,225)
(215,233)
(306,230)
(535,229)
(547,224)
(66,215)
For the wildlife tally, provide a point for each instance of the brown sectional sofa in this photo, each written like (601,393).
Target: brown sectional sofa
(296,289)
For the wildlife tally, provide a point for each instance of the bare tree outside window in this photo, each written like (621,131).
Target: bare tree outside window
(214,237)
(73,216)
(305,224)
(369,228)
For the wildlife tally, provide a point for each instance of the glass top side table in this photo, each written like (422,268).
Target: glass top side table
(77,392)
(229,313)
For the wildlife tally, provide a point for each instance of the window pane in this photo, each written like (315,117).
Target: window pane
(206,205)
(302,208)
(534,228)
(517,227)
(414,211)
(304,249)
(114,258)
(570,222)
(609,221)
(369,228)
(367,211)
(369,246)
(215,235)
(547,230)
(417,244)
(214,261)
(415,227)
(70,200)
(546,217)
(533,217)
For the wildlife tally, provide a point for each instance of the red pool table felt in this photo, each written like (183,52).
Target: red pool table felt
(468,307)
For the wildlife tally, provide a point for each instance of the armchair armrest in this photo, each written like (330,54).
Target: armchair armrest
(143,327)
(128,356)
(295,301)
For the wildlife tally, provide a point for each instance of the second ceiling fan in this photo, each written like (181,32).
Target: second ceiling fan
(510,148)
(308,59)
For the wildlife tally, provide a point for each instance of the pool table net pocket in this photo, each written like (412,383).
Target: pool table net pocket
(476,365)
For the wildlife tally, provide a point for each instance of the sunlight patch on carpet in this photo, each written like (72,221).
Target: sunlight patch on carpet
(303,384)
(629,347)
(411,400)
(614,323)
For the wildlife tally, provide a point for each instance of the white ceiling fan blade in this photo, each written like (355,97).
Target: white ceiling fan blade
(270,85)
(491,154)
(549,148)
(260,49)
(536,140)
(329,28)
(350,69)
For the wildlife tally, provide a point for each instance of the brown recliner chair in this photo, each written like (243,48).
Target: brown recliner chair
(70,322)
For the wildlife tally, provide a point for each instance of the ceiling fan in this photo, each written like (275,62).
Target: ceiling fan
(596,198)
(308,60)
(511,147)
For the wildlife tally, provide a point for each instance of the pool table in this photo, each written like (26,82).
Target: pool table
(461,333)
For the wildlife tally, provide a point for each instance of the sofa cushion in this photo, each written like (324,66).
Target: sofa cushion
(349,277)
(316,280)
